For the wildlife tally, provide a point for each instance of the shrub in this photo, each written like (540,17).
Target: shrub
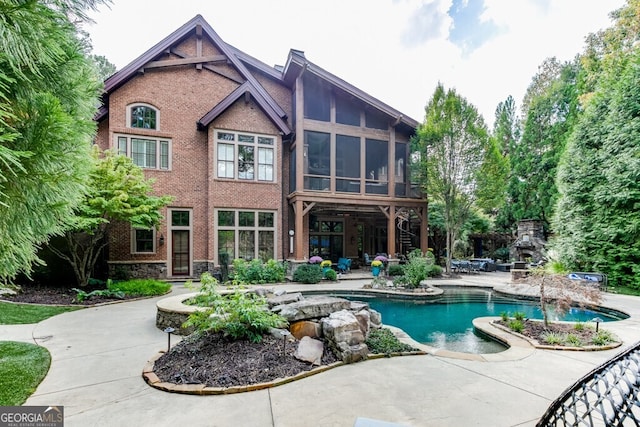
(516,325)
(602,337)
(552,338)
(518,315)
(83,295)
(308,273)
(140,287)
(383,341)
(257,272)
(416,269)
(434,271)
(579,326)
(239,315)
(396,270)
(573,340)
(331,275)
(504,316)
(207,294)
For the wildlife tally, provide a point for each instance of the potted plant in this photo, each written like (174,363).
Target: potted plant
(326,266)
(376,265)
(315,259)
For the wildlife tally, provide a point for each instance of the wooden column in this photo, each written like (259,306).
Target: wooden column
(391,232)
(299,238)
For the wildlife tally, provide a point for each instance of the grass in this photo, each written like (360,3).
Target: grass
(22,367)
(624,290)
(18,314)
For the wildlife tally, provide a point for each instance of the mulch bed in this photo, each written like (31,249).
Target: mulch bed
(56,296)
(215,361)
(536,330)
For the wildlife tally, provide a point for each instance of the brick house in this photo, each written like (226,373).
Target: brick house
(262,162)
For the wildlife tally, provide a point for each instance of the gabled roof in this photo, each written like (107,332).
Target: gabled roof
(298,63)
(243,90)
(129,71)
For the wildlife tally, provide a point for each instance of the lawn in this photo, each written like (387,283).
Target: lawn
(22,367)
(16,314)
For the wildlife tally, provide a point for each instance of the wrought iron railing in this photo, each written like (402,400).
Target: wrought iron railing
(607,396)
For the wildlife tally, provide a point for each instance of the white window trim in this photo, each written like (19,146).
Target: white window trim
(256,165)
(237,228)
(142,104)
(157,140)
(133,242)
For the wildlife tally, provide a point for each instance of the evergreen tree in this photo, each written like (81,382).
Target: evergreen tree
(48,97)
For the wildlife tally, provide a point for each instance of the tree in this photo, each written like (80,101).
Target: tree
(453,143)
(597,221)
(117,191)
(550,116)
(48,97)
(506,127)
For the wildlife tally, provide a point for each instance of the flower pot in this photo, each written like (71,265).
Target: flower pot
(375,271)
(324,271)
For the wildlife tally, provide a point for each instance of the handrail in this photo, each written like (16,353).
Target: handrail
(607,396)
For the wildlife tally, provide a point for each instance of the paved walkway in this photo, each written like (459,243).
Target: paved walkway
(98,355)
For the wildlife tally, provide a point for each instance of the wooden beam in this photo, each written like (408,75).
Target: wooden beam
(247,97)
(199,45)
(307,207)
(186,61)
(384,210)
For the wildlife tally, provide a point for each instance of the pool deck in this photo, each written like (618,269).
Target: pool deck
(98,355)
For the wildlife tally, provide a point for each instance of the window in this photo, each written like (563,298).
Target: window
(376,120)
(240,155)
(377,166)
(246,234)
(317,160)
(143,117)
(143,241)
(400,167)
(347,113)
(149,153)
(317,99)
(347,164)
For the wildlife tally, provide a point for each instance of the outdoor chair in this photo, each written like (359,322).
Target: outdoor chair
(344,265)
(367,260)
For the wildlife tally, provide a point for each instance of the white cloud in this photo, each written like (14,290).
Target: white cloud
(365,42)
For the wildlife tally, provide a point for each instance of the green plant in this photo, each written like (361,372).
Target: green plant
(308,273)
(331,275)
(257,272)
(516,325)
(573,340)
(140,287)
(239,315)
(602,337)
(22,367)
(416,269)
(83,295)
(552,338)
(519,315)
(207,292)
(502,253)
(376,263)
(383,341)
(504,316)
(396,270)
(434,270)
(579,326)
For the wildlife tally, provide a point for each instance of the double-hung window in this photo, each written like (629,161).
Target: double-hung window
(143,240)
(245,156)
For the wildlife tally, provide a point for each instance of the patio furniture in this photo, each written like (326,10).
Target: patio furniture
(344,265)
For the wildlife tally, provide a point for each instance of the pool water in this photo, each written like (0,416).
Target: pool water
(446,322)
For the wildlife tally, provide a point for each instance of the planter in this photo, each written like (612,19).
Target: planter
(375,271)
(324,271)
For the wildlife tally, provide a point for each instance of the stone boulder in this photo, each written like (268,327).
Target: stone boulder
(305,328)
(312,308)
(364,320)
(375,319)
(344,336)
(310,350)
(284,299)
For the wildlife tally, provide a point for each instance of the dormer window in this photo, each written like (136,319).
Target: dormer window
(143,117)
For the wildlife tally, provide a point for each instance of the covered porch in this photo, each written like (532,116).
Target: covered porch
(334,229)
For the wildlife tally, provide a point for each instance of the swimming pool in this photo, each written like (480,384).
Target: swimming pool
(446,321)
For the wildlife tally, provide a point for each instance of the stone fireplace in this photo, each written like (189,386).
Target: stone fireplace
(530,242)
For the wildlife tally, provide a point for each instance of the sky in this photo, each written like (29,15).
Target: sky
(395,50)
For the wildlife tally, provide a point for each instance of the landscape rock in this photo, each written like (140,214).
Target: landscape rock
(284,299)
(306,328)
(364,321)
(375,319)
(310,350)
(343,333)
(313,308)
(279,292)
(281,334)
(358,305)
